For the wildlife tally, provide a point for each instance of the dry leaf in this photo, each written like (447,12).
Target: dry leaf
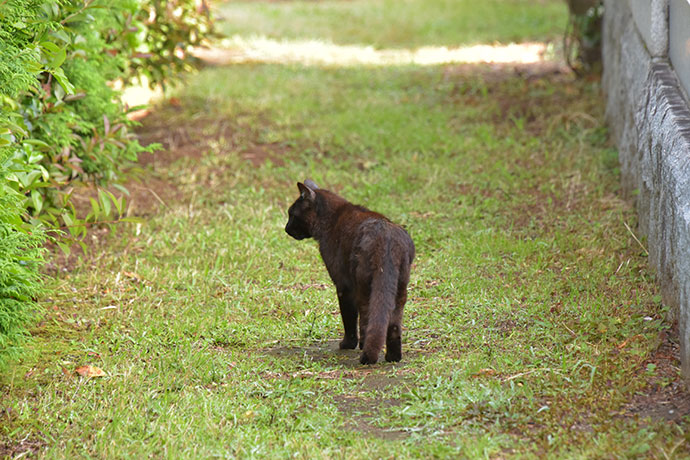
(90,371)
(132,275)
(628,340)
(484,373)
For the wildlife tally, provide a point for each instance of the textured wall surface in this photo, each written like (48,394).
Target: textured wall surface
(650,121)
(679,38)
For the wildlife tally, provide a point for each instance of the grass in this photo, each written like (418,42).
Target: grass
(531,322)
(396,24)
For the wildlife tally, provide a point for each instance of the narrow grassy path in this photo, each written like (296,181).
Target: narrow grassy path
(533,326)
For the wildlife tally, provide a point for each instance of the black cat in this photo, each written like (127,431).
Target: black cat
(368,258)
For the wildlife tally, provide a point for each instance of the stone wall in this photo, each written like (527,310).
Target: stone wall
(646,57)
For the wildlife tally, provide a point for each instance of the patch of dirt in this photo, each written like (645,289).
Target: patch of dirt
(182,138)
(537,208)
(501,72)
(318,352)
(368,397)
(367,393)
(27,447)
(666,396)
(359,419)
(520,93)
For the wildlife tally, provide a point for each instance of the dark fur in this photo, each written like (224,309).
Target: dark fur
(368,258)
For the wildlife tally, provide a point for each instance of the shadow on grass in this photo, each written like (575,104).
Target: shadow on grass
(368,386)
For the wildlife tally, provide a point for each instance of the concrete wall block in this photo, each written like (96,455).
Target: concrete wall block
(658,46)
(642,15)
(684,332)
(684,290)
(665,172)
(679,40)
(620,74)
(612,29)
(651,22)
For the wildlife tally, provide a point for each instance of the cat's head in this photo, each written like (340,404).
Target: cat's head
(302,213)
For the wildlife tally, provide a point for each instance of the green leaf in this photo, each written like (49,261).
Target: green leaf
(68,220)
(29,178)
(61,35)
(61,78)
(58,58)
(37,143)
(44,173)
(105,202)
(34,157)
(120,205)
(95,208)
(121,188)
(37,201)
(64,247)
(51,47)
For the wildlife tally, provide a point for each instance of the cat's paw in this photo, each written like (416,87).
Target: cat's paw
(393,357)
(348,343)
(364,359)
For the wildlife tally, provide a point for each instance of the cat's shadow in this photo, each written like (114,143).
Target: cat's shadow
(325,352)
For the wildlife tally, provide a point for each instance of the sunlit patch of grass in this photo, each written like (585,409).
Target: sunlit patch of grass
(240,50)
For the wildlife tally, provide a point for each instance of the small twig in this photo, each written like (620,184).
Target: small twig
(521,374)
(635,238)
(158,198)
(673,449)
(569,330)
(619,268)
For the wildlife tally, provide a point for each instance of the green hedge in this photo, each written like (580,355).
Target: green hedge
(20,260)
(61,119)
(62,125)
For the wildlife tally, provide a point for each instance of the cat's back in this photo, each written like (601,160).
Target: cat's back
(358,229)
(376,233)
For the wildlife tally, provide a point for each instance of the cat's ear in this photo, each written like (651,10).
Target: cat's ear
(306,192)
(310,183)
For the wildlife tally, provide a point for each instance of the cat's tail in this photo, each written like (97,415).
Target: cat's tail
(384,287)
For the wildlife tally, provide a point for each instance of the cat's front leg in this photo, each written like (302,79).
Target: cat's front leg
(348,311)
(363,321)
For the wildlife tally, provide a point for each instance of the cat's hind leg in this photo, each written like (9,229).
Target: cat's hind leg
(394,335)
(394,332)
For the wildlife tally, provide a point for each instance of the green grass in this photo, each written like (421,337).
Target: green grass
(396,23)
(531,313)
